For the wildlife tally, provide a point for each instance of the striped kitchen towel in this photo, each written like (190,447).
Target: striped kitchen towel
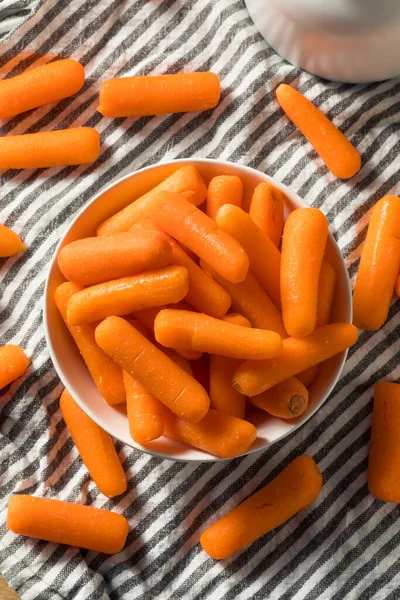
(346,545)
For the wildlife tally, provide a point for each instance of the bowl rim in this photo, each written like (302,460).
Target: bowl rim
(148,450)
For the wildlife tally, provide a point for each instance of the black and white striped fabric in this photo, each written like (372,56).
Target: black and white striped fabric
(346,545)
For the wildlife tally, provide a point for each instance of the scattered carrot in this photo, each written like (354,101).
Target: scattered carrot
(99,259)
(339,155)
(254,377)
(308,376)
(67,523)
(95,447)
(186,329)
(326,290)
(303,246)
(384,451)
(10,242)
(13,364)
(75,146)
(267,210)
(287,400)
(379,265)
(186,181)
(105,373)
(263,255)
(144,412)
(160,376)
(159,94)
(224,189)
(292,490)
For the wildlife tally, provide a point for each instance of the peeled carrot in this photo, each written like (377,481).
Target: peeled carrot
(159,94)
(13,364)
(76,146)
(291,491)
(67,523)
(186,181)
(308,376)
(339,155)
(144,412)
(99,259)
(128,294)
(185,329)
(251,300)
(44,85)
(95,447)
(379,265)
(217,433)
(10,242)
(326,290)
(384,451)
(153,369)
(397,286)
(105,373)
(254,377)
(303,246)
(224,189)
(267,210)
(236,319)
(287,400)
(264,257)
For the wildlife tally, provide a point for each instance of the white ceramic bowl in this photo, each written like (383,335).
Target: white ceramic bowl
(69,364)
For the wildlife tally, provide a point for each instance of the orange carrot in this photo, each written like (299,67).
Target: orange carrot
(95,447)
(379,265)
(339,155)
(13,364)
(128,294)
(326,290)
(10,242)
(236,319)
(159,94)
(267,209)
(44,85)
(263,255)
(67,523)
(185,329)
(77,146)
(99,259)
(397,286)
(250,300)
(217,433)
(144,412)
(254,377)
(308,376)
(384,451)
(292,490)
(186,181)
(303,246)
(287,400)
(105,373)
(224,189)
(153,369)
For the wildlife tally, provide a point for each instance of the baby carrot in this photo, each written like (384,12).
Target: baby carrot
(10,242)
(291,491)
(186,181)
(128,294)
(67,523)
(76,146)
(224,189)
(287,400)
(236,319)
(217,433)
(264,257)
(13,364)
(106,375)
(254,377)
(308,376)
(267,210)
(161,377)
(44,85)
(379,265)
(339,155)
(185,329)
(303,246)
(99,259)
(326,290)
(159,94)
(144,412)
(95,447)
(397,286)
(384,451)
